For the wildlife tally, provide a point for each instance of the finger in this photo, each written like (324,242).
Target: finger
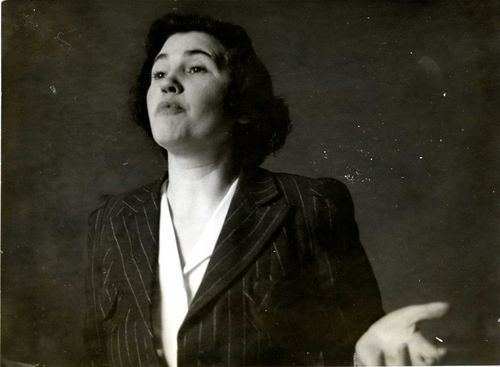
(418,360)
(423,360)
(403,356)
(416,313)
(380,358)
(434,358)
(441,352)
(438,357)
(369,357)
(357,362)
(428,361)
(423,346)
(426,349)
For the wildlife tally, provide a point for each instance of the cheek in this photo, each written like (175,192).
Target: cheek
(149,99)
(150,102)
(213,100)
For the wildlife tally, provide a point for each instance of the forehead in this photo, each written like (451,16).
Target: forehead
(180,43)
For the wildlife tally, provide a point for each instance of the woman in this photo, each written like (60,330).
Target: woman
(224,263)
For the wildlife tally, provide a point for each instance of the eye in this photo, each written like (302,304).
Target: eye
(158,75)
(196,69)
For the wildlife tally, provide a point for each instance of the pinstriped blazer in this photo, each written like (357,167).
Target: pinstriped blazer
(288,282)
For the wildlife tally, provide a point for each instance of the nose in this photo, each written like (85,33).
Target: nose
(171,85)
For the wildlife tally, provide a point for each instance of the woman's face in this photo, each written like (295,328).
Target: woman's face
(185,99)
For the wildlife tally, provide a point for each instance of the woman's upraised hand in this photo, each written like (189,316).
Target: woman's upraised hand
(395,339)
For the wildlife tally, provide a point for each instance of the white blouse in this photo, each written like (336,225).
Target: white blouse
(178,284)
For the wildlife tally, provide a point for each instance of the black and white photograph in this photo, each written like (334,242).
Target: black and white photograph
(250,183)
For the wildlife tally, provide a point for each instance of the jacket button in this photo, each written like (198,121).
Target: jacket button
(208,357)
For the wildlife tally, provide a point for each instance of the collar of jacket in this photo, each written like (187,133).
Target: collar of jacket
(259,184)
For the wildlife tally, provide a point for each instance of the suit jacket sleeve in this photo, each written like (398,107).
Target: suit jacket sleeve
(353,298)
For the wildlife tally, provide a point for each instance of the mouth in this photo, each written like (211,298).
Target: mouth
(170,108)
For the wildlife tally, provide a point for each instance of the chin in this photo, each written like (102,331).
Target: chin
(170,142)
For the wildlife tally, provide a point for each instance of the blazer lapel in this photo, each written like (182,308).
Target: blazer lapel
(135,228)
(141,219)
(256,211)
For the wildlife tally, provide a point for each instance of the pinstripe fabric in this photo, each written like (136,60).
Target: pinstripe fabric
(288,282)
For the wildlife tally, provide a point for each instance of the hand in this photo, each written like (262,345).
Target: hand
(395,339)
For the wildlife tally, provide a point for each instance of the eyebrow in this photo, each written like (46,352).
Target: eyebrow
(192,52)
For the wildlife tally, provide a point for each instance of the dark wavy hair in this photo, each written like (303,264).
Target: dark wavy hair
(264,118)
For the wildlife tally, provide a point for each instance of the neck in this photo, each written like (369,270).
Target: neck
(195,180)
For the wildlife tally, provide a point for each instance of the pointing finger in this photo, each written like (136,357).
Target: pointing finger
(416,313)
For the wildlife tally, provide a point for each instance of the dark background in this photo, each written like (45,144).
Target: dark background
(399,99)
